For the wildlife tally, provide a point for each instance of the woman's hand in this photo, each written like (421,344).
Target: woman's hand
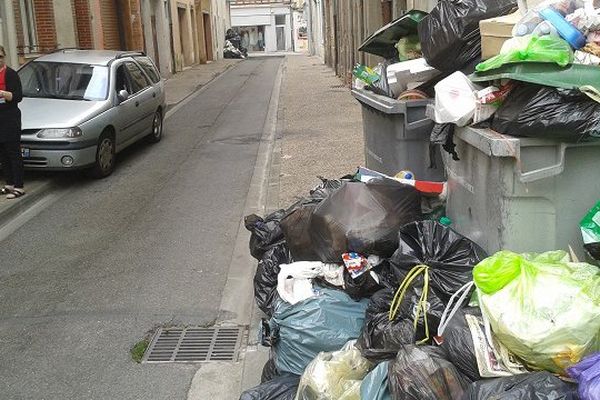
(6,95)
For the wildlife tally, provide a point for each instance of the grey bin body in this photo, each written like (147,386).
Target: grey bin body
(521,194)
(397,136)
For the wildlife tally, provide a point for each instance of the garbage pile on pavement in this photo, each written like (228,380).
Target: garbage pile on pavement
(233,45)
(370,295)
(373,290)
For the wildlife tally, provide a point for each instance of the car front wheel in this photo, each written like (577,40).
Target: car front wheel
(105,156)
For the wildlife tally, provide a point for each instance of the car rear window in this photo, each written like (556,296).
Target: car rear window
(148,67)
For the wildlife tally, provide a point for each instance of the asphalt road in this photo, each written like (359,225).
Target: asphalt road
(91,274)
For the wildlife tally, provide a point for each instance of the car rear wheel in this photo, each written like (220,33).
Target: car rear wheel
(105,156)
(157,128)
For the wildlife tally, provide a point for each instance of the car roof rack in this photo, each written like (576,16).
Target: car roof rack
(130,54)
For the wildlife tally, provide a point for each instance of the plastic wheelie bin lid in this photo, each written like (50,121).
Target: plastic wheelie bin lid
(572,76)
(383,41)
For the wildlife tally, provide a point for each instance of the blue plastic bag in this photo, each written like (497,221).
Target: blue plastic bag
(587,374)
(322,323)
(375,384)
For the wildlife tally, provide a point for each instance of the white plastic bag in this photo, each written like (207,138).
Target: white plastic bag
(455,100)
(334,376)
(294,282)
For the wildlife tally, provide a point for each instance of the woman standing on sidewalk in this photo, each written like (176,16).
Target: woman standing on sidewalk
(10,130)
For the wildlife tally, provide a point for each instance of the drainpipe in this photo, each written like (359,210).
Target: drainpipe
(11,34)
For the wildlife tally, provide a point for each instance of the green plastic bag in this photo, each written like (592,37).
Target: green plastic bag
(590,230)
(542,307)
(530,49)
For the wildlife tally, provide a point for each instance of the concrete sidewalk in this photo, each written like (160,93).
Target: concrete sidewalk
(179,87)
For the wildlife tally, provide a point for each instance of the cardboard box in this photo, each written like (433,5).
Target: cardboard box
(494,32)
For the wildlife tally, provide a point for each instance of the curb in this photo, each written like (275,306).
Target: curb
(8,214)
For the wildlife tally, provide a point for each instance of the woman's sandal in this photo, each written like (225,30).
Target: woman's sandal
(15,193)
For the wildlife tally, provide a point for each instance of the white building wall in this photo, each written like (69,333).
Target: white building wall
(65,24)
(158,8)
(264,15)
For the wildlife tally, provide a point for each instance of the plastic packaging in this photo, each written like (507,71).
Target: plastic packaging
(294,281)
(567,31)
(590,231)
(283,387)
(322,323)
(265,278)
(334,376)
(363,218)
(527,24)
(449,35)
(535,49)
(544,112)
(365,74)
(423,373)
(547,332)
(545,28)
(375,384)
(587,374)
(534,386)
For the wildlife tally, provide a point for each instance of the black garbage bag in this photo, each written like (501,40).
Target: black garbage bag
(265,278)
(545,112)
(533,386)
(449,256)
(364,218)
(264,232)
(296,223)
(380,338)
(426,248)
(270,370)
(450,36)
(458,343)
(424,373)
(283,387)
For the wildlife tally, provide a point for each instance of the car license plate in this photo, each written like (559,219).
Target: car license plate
(25,152)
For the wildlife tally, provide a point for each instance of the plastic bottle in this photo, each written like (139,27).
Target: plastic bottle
(545,29)
(567,31)
(365,74)
(405,175)
(527,24)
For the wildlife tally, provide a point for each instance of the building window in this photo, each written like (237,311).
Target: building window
(280,19)
(29,30)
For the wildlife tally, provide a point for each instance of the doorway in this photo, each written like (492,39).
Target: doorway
(208,37)
(280,38)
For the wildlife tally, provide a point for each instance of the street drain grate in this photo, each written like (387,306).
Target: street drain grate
(195,344)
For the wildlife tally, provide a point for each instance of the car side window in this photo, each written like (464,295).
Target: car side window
(149,68)
(122,80)
(138,79)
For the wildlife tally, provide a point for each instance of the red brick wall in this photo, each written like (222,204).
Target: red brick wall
(46,28)
(85,36)
(110,25)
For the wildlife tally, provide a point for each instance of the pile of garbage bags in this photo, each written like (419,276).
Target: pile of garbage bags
(355,312)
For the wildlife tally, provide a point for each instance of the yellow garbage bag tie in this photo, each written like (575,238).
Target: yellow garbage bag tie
(421,304)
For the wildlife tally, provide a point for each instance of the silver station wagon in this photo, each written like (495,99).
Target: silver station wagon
(81,107)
